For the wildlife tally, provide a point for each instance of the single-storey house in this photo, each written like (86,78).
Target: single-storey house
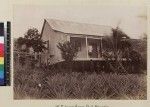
(87,37)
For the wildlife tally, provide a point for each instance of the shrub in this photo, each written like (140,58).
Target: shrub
(68,50)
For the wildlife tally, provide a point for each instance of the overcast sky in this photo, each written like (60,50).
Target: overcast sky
(132,20)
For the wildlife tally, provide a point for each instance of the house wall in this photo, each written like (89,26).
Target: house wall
(60,37)
(46,33)
(53,54)
(54,38)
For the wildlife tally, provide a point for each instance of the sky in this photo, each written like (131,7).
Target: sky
(131,19)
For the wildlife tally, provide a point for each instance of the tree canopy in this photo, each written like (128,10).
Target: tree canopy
(32,39)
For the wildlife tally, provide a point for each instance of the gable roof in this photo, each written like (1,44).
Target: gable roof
(79,28)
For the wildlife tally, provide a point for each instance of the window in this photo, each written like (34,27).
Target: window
(47,45)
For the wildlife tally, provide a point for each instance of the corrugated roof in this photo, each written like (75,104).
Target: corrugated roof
(79,28)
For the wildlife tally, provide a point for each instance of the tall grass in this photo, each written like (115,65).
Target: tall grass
(44,84)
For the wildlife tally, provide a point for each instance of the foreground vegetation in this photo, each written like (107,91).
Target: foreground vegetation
(55,84)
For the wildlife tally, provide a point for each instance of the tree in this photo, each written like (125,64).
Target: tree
(68,51)
(32,39)
(115,46)
(32,34)
(119,46)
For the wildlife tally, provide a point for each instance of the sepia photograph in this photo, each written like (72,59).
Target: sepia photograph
(80,52)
